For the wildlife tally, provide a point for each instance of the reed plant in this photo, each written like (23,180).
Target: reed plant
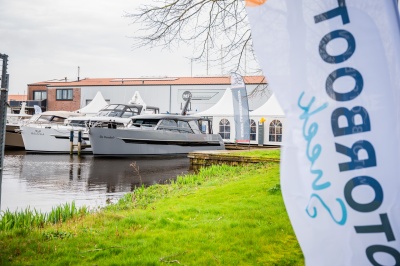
(28,219)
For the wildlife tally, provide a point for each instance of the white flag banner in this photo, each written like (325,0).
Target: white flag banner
(240,109)
(334,66)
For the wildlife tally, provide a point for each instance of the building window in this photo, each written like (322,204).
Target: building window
(39,95)
(225,129)
(64,94)
(275,131)
(253,130)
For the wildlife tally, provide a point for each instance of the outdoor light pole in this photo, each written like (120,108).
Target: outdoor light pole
(3,113)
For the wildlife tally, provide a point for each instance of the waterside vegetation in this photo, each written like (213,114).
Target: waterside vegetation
(26,220)
(223,215)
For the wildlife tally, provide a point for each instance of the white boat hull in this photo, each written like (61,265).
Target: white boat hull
(123,142)
(52,140)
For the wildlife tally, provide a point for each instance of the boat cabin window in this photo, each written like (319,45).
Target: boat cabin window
(183,124)
(44,118)
(205,126)
(195,127)
(168,123)
(78,123)
(177,126)
(145,122)
(184,127)
(58,119)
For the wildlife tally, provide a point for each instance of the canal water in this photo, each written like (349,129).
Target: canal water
(43,181)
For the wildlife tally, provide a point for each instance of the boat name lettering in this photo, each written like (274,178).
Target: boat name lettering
(37,132)
(106,137)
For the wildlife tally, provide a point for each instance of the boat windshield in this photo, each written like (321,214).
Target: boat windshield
(44,118)
(118,110)
(195,126)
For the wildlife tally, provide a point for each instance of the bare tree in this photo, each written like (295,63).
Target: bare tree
(217,27)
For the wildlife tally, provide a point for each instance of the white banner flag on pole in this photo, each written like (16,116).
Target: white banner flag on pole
(334,66)
(240,109)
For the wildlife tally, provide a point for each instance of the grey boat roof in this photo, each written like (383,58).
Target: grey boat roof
(168,116)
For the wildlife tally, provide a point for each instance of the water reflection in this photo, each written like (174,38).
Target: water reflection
(43,181)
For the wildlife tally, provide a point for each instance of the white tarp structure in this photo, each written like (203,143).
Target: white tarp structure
(270,108)
(94,106)
(223,107)
(137,99)
(223,118)
(222,112)
(271,117)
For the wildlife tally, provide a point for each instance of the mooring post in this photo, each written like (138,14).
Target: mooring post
(71,142)
(79,142)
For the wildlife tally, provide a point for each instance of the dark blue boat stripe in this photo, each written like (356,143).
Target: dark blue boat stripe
(172,142)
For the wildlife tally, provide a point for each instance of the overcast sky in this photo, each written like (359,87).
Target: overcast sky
(49,39)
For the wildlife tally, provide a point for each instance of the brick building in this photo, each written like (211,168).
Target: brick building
(169,94)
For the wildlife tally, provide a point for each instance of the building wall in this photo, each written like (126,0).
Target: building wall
(169,98)
(31,89)
(63,105)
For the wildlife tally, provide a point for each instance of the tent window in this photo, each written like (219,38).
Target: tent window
(275,131)
(225,129)
(253,130)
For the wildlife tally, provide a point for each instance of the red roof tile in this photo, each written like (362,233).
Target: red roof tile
(148,81)
(17,97)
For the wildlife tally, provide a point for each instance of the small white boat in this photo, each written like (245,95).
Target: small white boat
(161,134)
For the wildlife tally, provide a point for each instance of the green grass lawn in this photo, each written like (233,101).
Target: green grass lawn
(221,216)
(261,153)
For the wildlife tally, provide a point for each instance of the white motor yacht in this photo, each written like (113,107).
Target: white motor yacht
(50,137)
(41,129)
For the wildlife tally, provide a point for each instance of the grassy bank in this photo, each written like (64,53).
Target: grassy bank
(261,153)
(221,216)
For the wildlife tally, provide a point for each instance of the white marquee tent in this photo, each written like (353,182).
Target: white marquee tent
(273,116)
(223,119)
(270,108)
(223,109)
(94,106)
